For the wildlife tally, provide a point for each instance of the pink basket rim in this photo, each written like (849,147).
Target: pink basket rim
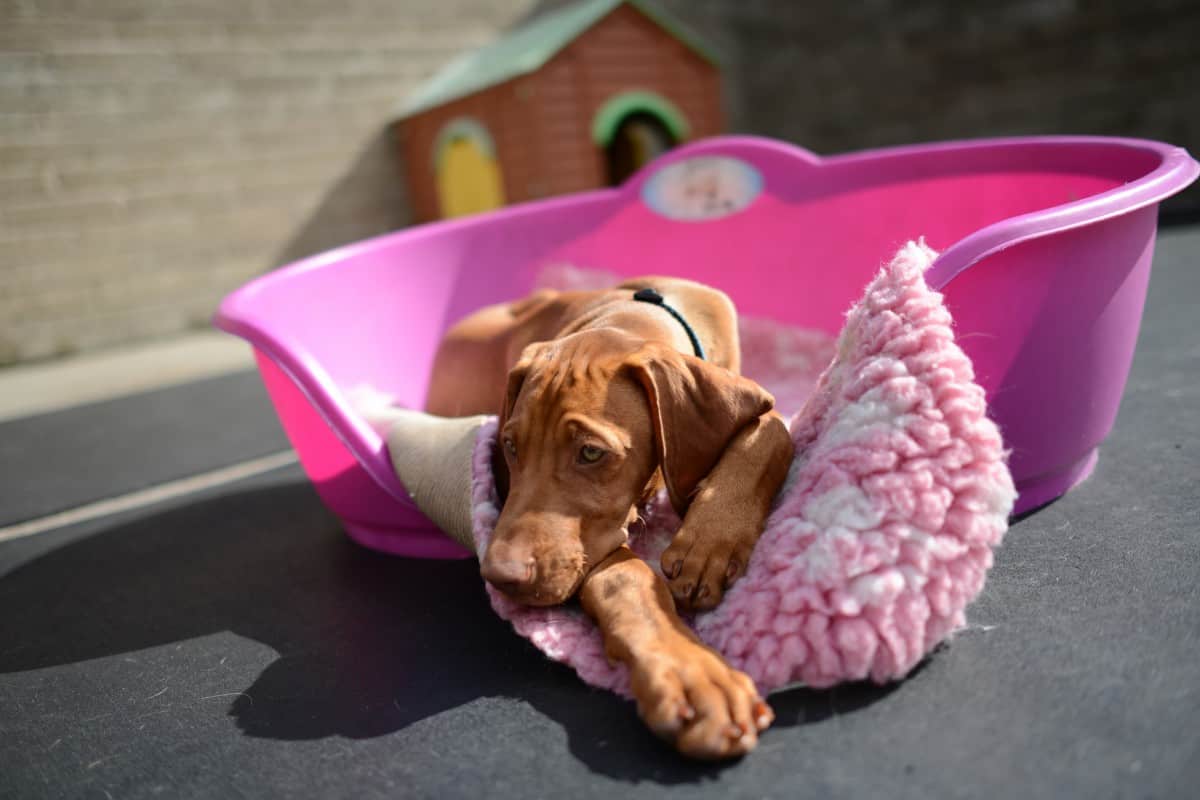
(237,315)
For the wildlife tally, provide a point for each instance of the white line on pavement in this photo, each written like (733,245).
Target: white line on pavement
(149,496)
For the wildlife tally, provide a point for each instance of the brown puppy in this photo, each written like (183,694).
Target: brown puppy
(601,402)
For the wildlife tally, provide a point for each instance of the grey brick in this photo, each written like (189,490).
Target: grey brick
(153,156)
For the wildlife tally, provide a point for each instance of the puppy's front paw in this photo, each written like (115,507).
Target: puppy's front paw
(701,564)
(688,695)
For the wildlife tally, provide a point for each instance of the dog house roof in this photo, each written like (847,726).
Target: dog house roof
(529,47)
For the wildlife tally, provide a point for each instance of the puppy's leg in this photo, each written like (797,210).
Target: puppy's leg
(726,516)
(685,692)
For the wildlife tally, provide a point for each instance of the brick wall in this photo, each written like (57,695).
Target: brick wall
(847,75)
(154,155)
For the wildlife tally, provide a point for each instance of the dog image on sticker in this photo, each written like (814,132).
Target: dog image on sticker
(703,188)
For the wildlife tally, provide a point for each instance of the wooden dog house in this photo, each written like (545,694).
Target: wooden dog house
(576,99)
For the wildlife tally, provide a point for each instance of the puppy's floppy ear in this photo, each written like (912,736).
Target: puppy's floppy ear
(516,380)
(696,408)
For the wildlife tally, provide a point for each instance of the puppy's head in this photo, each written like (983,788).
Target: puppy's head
(588,421)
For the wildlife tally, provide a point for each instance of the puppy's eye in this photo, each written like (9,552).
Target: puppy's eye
(589,454)
(510,448)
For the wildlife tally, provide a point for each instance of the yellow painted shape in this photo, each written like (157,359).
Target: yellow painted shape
(469,180)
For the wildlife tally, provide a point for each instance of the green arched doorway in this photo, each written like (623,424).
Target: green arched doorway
(634,128)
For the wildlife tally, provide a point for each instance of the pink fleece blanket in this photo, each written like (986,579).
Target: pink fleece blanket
(884,530)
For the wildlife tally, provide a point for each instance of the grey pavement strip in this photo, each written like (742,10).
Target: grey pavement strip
(91,377)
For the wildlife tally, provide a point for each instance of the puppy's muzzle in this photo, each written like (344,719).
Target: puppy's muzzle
(510,575)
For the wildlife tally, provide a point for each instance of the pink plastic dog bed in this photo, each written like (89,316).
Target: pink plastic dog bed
(1045,249)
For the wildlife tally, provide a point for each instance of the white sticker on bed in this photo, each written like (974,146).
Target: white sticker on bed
(703,188)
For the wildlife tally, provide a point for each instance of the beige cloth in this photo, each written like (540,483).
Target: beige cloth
(432,457)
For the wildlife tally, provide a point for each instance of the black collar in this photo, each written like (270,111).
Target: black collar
(654,298)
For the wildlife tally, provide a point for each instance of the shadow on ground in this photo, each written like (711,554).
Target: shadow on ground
(367,644)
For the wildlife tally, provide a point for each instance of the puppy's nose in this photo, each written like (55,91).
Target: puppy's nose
(507,575)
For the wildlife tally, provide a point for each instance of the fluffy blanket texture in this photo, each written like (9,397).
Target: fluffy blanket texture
(884,530)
